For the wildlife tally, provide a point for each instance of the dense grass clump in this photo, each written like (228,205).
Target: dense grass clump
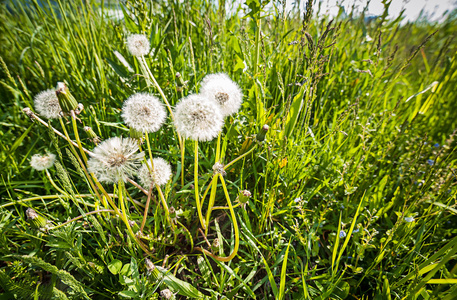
(334,180)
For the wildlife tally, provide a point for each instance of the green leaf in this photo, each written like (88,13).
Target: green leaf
(115,266)
(282,284)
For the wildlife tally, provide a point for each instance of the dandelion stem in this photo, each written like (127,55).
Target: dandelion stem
(197,199)
(180,140)
(75,129)
(138,186)
(123,216)
(212,197)
(146,209)
(235,227)
(183,144)
(159,190)
(239,157)
(34,116)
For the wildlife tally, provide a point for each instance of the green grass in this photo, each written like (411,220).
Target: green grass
(362,119)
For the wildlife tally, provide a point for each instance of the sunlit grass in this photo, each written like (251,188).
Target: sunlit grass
(352,192)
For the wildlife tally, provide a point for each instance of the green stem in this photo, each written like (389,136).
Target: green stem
(68,137)
(75,129)
(123,216)
(235,227)
(180,140)
(212,197)
(146,209)
(197,198)
(239,157)
(257,47)
(182,161)
(82,216)
(46,197)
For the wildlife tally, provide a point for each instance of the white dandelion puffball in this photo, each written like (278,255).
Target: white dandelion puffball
(198,118)
(115,159)
(144,112)
(47,104)
(160,174)
(42,162)
(225,92)
(138,44)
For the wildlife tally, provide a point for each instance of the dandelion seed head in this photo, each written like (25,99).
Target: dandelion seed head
(47,104)
(138,44)
(161,173)
(42,162)
(144,112)
(225,92)
(115,159)
(198,118)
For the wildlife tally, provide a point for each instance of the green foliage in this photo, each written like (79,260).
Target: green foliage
(362,135)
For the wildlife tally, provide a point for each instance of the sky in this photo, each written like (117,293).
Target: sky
(433,8)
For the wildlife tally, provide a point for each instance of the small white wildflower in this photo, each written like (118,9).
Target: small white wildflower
(138,44)
(197,118)
(222,90)
(47,104)
(115,159)
(160,174)
(42,162)
(342,234)
(143,112)
(409,219)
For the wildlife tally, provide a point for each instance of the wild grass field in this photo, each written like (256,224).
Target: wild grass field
(335,179)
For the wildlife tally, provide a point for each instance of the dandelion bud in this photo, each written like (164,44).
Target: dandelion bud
(262,133)
(218,168)
(138,44)
(134,226)
(215,246)
(35,219)
(66,100)
(151,269)
(167,294)
(92,135)
(173,214)
(180,79)
(28,112)
(42,162)
(79,109)
(244,196)
(220,89)
(47,104)
(160,169)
